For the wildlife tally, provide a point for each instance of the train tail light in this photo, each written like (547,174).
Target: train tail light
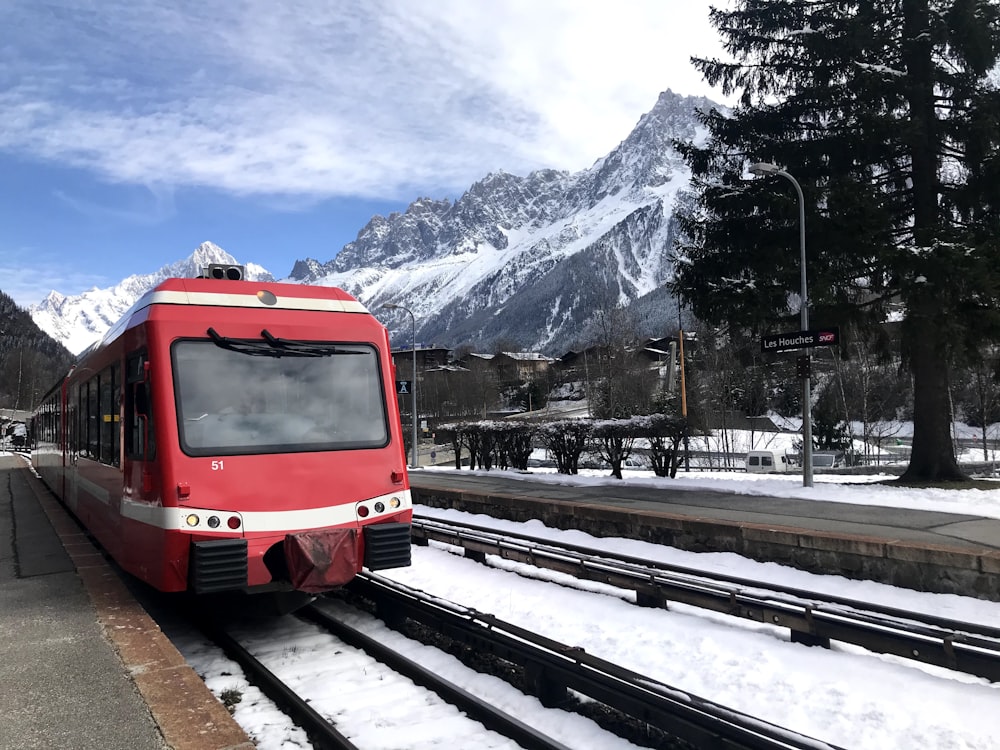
(193,520)
(378,507)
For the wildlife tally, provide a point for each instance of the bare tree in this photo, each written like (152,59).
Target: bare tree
(873,389)
(622,383)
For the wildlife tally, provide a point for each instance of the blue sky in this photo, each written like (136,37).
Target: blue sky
(133,130)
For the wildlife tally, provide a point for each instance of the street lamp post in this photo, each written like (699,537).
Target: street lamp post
(413,386)
(763,169)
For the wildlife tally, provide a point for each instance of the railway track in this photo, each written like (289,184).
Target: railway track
(490,716)
(812,618)
(324,734)
(562,676)
(642,710)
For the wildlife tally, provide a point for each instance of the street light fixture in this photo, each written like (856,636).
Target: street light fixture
(763,169)
(413,386)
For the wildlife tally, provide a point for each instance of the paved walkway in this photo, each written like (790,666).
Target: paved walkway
(82,665)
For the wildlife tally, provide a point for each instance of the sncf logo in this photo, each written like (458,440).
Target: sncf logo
(825,337)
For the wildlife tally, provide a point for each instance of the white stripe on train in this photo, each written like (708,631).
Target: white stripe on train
(253,522)
(217,299)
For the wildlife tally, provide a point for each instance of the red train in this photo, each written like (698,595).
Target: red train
(230,435)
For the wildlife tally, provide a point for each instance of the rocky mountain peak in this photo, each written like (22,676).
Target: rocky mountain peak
(78,321)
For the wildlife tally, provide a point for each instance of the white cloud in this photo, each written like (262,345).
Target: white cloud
(151,210)
(327,98)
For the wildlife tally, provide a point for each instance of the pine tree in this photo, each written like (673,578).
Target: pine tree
(888,115)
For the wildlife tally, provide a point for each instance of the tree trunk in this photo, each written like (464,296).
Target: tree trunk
(933,456)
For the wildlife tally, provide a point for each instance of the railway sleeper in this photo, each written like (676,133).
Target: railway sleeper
(538,681)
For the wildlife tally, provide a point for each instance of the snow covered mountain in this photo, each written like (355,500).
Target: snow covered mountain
(530,259)
(77,321)
(527,260)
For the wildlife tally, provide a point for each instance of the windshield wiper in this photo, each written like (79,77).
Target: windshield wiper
(256,348)
(272,346)
(304,348)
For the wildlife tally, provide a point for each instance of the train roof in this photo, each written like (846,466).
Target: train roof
(228,293)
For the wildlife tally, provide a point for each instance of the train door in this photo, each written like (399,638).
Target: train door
(138,433)
(141,540)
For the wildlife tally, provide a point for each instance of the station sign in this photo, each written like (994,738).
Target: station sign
(403,386)
(788,342)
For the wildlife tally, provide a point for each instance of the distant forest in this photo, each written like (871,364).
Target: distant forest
(31,361)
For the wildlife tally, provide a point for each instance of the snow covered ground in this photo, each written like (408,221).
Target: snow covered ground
(844,695)
(859,489)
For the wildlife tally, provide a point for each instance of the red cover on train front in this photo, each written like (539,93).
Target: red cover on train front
(321,560)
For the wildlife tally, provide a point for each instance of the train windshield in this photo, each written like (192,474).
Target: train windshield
(261,396)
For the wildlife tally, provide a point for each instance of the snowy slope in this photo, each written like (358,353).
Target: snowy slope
(76,322)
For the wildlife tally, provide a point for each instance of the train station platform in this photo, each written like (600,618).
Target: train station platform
(82,665)
(917,549)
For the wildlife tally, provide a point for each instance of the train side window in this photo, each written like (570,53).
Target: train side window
(104,423)
(73,420)
(116,410)
(138,409)
(81,420)
(108,416)
(93,411)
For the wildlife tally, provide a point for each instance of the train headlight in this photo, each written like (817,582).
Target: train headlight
(213,522)
(233,522)
(192,520)
(379,507)
(363,511)
(394,502)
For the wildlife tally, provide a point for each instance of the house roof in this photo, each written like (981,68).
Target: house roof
(528,356)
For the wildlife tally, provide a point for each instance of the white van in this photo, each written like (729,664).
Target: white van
(827,460)
(768,462)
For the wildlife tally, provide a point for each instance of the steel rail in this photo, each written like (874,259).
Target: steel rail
(552,669)
(812,618)
(490,716)
(942,622)
(321,732)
